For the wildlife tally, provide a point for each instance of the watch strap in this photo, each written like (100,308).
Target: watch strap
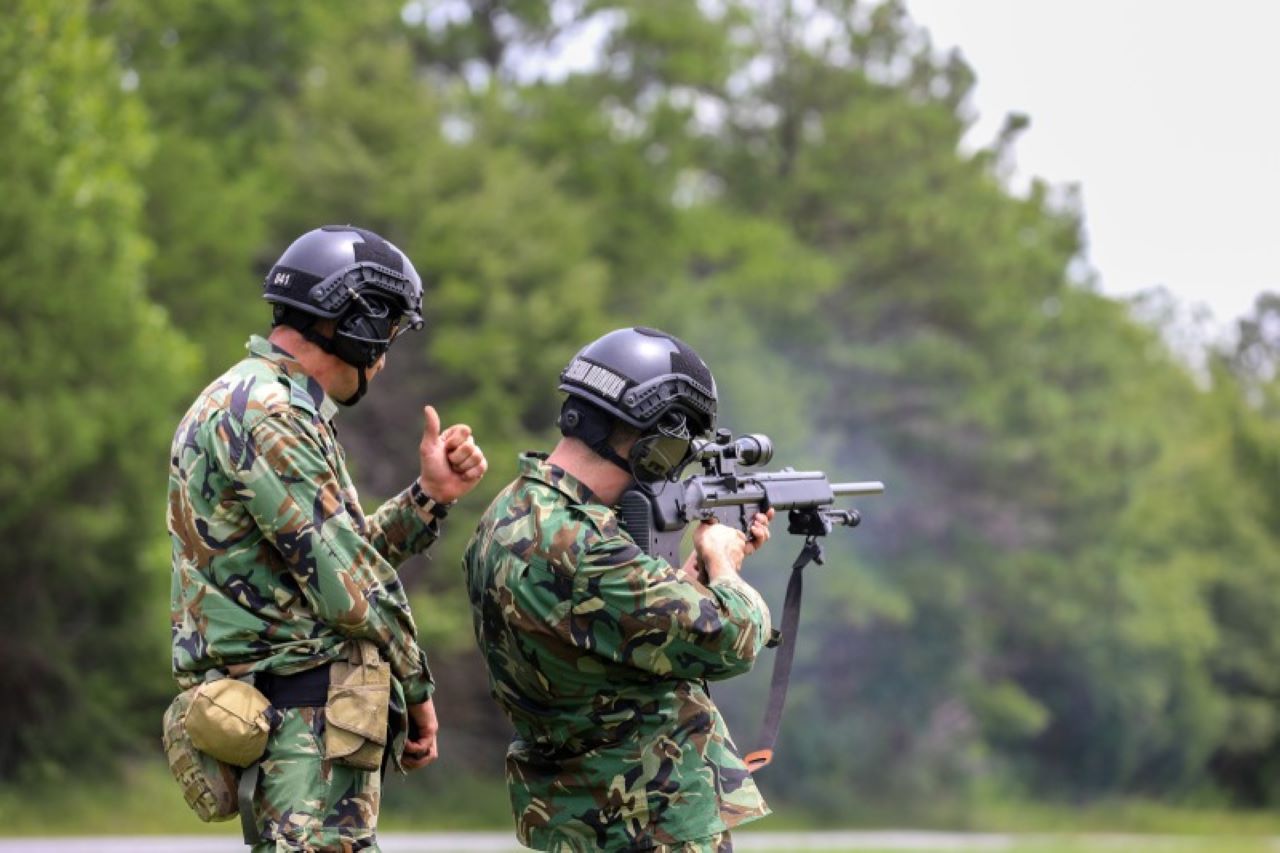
(426,503)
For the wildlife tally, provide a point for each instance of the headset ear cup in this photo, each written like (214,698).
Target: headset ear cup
(348,345)
(353,325)
(636,456)
(584,421)
(569,418)
(663,451)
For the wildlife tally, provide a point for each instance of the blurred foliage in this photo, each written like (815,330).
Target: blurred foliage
(90,372)
(1068,591)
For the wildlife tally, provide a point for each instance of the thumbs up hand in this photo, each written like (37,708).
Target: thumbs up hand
(452,462)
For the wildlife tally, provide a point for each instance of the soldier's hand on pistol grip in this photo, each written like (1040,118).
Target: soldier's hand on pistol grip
(451,461)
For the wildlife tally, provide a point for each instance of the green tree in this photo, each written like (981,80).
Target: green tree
(215,77)
(1241,516)
(88,375)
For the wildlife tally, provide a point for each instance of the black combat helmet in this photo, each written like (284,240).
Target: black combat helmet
(353,276)
(649,380)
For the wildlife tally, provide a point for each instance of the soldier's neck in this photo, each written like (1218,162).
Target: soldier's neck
(334,375)
(606,480)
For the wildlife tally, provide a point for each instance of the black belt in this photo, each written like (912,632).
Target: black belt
(307,689)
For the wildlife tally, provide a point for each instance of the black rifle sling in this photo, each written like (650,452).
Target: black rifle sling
(812,552)
(244,794)
(248,784)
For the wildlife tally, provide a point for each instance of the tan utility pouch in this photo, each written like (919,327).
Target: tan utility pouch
(208,785)
(355,732)
(228,719)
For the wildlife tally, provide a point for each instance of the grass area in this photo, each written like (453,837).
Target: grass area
(1123,816)
(1164,845)
(425,802)
(1127,845)
(1130,844)
(144,800)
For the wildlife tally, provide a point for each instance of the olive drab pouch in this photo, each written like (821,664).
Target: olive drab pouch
(230,720)
(208,785)
(355,731)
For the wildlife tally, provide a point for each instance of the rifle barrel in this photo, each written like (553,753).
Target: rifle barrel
(752,490)
(868,487)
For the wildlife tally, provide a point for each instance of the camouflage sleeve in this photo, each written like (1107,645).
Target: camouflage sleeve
(398,529)
(293,493)
(642,611)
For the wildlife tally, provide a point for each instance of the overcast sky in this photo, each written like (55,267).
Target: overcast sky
(1166,112)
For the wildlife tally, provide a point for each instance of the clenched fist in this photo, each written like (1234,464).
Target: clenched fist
(452,463)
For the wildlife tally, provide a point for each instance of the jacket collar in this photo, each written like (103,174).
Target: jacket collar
(303,387)
(535,466)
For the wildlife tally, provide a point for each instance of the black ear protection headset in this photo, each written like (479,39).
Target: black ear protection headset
(361,336)
(365,332)
(663,451)
(660,453)
(592,426)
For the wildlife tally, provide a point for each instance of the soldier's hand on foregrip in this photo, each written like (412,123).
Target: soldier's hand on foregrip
(693,568)
(720,547)
(420,749)
(452,462)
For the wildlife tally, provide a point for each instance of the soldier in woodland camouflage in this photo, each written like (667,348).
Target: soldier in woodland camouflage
(598,653)
(276,567)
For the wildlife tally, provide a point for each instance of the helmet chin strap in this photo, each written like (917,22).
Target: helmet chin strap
(363,387)
(603,449)
(327,344)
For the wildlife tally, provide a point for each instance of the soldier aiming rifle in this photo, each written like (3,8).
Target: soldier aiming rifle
(598,651)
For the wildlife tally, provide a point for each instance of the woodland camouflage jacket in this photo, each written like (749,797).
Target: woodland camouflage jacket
(274,562)
(597,653)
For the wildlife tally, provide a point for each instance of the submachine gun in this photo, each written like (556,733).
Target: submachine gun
(656,517)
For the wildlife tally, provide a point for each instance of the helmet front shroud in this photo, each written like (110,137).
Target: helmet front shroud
(648,380)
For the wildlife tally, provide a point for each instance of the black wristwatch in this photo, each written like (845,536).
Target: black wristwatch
(425,502)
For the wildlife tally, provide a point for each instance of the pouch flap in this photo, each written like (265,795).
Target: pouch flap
(228,720)
(362,711)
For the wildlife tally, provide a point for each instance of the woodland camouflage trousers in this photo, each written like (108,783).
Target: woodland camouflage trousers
(304,803)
